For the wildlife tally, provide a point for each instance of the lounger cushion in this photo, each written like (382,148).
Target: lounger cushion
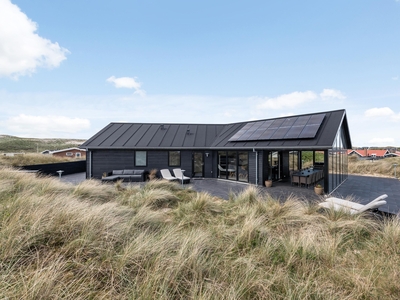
(118,172)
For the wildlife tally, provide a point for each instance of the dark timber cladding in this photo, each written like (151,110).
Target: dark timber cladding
(245,151)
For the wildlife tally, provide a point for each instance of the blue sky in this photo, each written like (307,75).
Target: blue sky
(68,68)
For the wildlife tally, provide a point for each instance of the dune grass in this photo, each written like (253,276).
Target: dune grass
(380,167)
(101,241)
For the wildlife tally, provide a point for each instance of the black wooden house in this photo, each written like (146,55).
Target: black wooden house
(249,152)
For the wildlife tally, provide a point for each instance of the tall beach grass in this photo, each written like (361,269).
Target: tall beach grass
(160,241)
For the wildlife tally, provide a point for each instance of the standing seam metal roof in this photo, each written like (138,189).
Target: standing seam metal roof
(212,136)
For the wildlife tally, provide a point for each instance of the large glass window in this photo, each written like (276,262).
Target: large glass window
(233,165)
(243,165)
(293,160)
(222,164)
(174,158)
(338,164)
(140,158)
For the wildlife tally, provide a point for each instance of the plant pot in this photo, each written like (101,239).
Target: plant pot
(319,190)
(268,183)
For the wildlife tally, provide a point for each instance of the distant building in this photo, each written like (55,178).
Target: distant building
(369,153)
(69,152)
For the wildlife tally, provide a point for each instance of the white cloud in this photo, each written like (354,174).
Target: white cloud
(22,51)
(127,82)
(330,94)
(379,112)
(288,100)
(45,126)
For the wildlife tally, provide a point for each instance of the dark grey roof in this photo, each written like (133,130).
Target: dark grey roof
(211,136)
(154,136)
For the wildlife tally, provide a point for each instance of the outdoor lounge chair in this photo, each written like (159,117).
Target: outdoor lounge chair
(353,207)
(166,174)
(179,175)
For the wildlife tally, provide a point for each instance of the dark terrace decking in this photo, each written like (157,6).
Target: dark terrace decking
(362,189)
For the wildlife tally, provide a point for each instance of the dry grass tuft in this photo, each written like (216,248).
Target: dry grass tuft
(162,241)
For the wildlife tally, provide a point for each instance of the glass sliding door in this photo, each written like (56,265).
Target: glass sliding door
(232,165)
(222,165)
(198,164)
(243,166)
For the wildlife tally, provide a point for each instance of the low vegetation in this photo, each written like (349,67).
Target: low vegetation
(10,144)
(380,167)
(159,241)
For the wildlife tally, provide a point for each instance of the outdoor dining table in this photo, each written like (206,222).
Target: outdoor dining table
(306,173)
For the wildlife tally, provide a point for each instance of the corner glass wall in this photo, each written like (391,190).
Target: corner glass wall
(233,165)
(338,163)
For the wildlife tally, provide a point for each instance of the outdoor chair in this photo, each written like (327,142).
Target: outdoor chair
(303,180)
(166,174)
(296,179)
(352,207)
(179,175)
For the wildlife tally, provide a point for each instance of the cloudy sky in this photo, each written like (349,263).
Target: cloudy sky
(68,68)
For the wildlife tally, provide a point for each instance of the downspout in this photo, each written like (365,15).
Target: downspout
(254,150)
(90,165)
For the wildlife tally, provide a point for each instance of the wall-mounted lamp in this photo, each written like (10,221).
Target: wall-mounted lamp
(207,154)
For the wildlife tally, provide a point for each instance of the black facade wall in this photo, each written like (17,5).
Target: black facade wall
(208,164)
(104,161)
(51,169)
(285,166)
(253,168)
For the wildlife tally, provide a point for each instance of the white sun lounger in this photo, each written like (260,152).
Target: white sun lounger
(166,174)
(352,207)
(179,175)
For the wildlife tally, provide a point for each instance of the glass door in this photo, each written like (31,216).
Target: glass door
(198,164)
(274,162)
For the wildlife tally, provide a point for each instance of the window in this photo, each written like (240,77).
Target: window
(69,154)
(77,154)
(174,158)
(140,158)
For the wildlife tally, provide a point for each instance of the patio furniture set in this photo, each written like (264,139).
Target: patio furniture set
(307,177)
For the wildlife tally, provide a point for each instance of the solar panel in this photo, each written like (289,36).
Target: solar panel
(302,121)
(309,131)
(301,127)
(280,133)
(294,132)
(267,134)
(289,122)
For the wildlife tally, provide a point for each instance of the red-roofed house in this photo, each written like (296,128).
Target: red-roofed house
(369,153)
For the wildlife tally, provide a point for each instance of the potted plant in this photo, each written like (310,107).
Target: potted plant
(268,183)
(319,189)
(153,174)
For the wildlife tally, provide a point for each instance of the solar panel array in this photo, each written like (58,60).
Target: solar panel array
(302,127)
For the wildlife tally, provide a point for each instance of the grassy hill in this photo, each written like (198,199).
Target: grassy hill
(159,241)
(31,145)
